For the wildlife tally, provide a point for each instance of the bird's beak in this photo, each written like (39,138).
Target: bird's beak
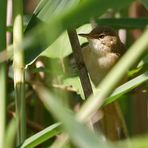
(90,36)
(84,35)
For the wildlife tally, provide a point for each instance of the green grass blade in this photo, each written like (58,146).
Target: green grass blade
(3,4)
(127,23)
(10,134)
(18,66)
(79,134)
(136,142)
(127,87)
(42,136)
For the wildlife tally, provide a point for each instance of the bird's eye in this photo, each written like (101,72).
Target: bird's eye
(101,36)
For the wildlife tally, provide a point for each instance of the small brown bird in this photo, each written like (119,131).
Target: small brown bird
(103,51)
(101,54)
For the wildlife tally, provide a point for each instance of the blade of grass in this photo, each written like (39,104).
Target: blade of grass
(127,87)
(126,23)
(18,63)
(42,136)
(10,134)
(136,142)
(80,135)
(3,4)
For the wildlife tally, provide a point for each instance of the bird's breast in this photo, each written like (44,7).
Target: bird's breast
(98,66)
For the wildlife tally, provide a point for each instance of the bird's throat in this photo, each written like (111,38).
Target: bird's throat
(98,48)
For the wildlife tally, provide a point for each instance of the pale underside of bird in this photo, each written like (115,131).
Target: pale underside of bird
(102,52)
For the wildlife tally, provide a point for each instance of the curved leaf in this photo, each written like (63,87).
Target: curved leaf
(42,136)
(127,87)
(72,16)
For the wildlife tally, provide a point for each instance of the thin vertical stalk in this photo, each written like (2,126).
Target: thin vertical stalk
(80,63)
(18,63)
(3,9)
